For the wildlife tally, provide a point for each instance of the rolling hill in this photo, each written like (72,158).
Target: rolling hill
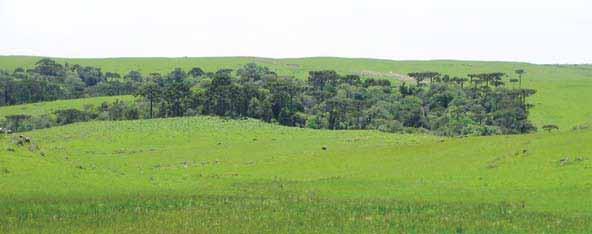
(179,168)
(208,174)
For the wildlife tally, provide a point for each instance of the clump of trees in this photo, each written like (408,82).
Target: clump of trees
(118,110)
(480,104)
(49,80)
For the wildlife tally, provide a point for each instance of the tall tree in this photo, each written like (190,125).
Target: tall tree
(151,91)
(520,72)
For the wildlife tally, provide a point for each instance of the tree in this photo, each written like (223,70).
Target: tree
(112,76)
(196,72)
(151,91)
(252,72)
(68,116)
(176,91)
(421,76)
(520,72)
(460,81)
(13,122)
(135,76)
(220,94)
(514,81)
(90,75)
(49,67)
(7,85)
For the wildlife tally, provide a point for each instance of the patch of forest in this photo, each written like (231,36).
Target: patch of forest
(479,104)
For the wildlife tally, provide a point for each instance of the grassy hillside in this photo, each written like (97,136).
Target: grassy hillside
(203,174)
(208,174)
(562,95)
(36,109)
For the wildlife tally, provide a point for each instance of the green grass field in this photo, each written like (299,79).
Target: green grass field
(36,109)
(202,173)
(211,175)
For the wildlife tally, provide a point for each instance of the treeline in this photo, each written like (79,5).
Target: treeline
(478,105)
(49,81)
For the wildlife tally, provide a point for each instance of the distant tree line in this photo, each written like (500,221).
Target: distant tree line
(480,104)
(50,80)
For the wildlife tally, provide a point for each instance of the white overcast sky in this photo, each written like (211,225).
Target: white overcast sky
(538,31)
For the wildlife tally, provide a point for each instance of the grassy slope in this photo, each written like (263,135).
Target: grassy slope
(205,174)
(36,109)
(97,175)
(562,99)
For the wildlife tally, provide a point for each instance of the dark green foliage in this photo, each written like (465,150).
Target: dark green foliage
(550,127)
(134,76)
(17,122)
(196,72)
(331,101)
(326,100)
(69,116)
(49,81)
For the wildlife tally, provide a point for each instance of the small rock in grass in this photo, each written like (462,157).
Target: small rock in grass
(564,161)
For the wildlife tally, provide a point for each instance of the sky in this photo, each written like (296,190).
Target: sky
(537,31)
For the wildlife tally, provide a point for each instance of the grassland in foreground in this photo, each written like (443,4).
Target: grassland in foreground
(202,174)
(207,174)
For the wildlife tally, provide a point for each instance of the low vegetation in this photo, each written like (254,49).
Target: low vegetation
(202,174)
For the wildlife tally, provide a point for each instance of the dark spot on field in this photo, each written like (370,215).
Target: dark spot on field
(324,148)
(565,161)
